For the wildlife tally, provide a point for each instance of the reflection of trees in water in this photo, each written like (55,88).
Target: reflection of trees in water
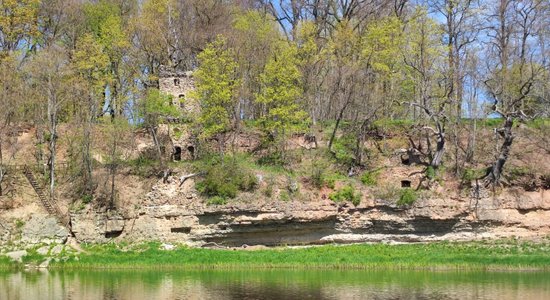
(225,285)
(247,291)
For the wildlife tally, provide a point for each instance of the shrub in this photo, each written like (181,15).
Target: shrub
(217,200)
(284,196)
(471,174)
(143,166)
(273,159)
(321,178)
(226,178)
(387,192)
(19,223)
(515,173)
(369,178)
(430,172)
(268,191)
(407,197)
(346,193)
(87,198)
(343,152)
(322,173)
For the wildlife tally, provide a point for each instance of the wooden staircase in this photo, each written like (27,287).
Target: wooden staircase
(49,203)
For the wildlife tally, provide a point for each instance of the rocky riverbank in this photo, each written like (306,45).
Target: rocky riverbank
(296,223)
(321,222)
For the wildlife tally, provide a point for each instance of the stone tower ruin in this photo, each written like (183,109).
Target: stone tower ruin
(179,85)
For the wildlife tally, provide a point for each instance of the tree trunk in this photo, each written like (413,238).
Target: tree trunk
(439,150)
(113,173)
(469,157)
(153,132)
(361,137)
(338,120)
(2,174)
(52,119)
(86,153)
(495,171)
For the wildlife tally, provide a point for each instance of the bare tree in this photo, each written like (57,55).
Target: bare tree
(50,73)
(513,71)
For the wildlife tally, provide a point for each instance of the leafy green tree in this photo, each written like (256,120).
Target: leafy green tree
(280,93)
(156,108)
(18,23)
(51,76)
(254,38)
(117,134)
(424,57)
(105,22)
(92,67)
(12,101)
(216,86)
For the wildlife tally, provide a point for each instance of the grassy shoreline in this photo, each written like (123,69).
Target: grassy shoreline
(505,255)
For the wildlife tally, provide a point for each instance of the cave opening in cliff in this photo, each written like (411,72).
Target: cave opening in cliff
(405,183)
(177,153)
(191,151)
(180,229)
(113,234)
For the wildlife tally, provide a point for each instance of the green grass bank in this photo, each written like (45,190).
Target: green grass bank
(503,254)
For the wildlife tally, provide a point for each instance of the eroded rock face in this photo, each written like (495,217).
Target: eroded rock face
(43,229)
(319,222)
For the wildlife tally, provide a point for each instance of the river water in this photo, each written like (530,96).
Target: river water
(273,284)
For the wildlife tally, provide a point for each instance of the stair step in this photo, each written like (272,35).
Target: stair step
(49,204)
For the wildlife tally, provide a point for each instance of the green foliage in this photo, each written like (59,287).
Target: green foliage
(320,177)
(475,255)
(387,193)
(322,172)
(156,106)
(142,166)
(284,196)
(308,49)
(104,20)
(342,153)
(280,94)
(216,86)
(18,21)
(224,178)
(515,173)
(539,123)
(258,29)
(268,191)
(383,41)
(346,193)
(407,196)
(273,159)
(19,223)
(490,122)
(216,200)
(87,198)
(369,178)
(470,174)
(343,149)
(430,172)
(92,63)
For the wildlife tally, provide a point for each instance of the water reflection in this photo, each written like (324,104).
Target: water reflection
(276,284)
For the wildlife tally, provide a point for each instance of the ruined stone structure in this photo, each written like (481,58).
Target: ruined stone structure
(179,85)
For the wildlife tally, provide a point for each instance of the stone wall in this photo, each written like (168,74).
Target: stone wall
(179,85)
